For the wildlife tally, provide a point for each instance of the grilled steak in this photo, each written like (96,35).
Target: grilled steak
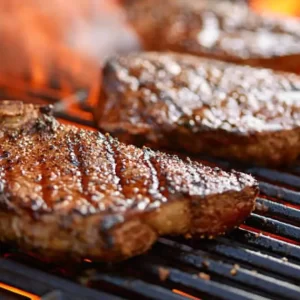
(184,102)
(65,190)
(225,31)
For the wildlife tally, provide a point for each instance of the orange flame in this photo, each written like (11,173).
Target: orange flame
(281,7)
(19,292)
(59,43)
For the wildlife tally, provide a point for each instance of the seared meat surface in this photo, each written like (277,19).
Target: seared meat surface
(221,30)
(64,190)
(198,105)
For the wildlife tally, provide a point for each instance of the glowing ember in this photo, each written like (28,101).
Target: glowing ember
(274,236)
(185,294)
(19,292)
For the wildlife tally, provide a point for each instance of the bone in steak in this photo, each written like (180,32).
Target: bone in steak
(65,190)
(217,29)
(183,102)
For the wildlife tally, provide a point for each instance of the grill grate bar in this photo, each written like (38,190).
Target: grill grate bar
(137,286)
(234,251)
(277,176)
(202,260)
(267,243)
(192,281)
(274,226)
(279,192)
(296,169)
(40,283)
(276,209)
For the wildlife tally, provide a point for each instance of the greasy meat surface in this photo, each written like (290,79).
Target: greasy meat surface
(222,30)
(199,105)
(65,190)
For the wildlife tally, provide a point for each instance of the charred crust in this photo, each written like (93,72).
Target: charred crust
(46,123)
(18,118)
(47,110)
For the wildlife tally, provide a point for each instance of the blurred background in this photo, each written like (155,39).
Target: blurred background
(58,46)
(280,7)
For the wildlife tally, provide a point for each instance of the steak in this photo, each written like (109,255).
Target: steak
(202,106)
(66,191)
(222,30)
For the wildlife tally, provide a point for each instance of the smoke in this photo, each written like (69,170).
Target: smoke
(63,38)
(103,32)
(94,27)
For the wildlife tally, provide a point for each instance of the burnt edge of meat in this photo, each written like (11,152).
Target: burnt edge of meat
(17,117)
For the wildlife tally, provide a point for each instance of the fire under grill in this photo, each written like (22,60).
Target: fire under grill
(259,260)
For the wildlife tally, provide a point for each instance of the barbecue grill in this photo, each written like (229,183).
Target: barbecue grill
(259,260)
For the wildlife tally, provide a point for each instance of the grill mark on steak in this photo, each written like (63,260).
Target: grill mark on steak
(116,164)
(79,156)
(75,162)
(163,188)
(154,188)
(42,178)
(79,151)
(46,189)
(86,213)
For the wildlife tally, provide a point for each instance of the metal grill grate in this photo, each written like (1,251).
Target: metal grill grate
(259,260)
